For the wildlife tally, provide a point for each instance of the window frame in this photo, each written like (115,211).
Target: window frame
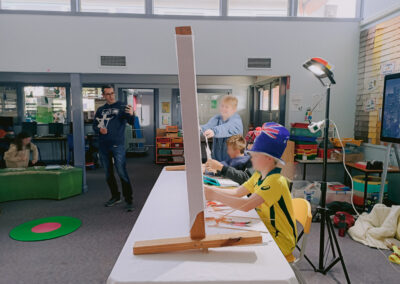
(149,14)
(67,87)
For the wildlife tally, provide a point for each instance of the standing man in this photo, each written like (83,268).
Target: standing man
(109,123)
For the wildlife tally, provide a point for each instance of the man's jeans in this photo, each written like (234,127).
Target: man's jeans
(118,153)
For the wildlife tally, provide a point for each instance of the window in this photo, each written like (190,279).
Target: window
(186,7)
(40,5)
(275,98)
(327,8)
(45,104)
(113,6)
(8,101)
(264,99)
(92,100)
(258,8)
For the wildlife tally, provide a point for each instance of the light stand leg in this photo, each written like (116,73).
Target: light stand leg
(330,227)
(324,212)
(384,173)
(396,152)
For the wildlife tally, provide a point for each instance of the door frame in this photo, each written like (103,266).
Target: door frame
(119,87)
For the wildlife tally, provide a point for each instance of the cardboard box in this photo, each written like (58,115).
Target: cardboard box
(172,128)
(174,135)
(349,157)
(160,132)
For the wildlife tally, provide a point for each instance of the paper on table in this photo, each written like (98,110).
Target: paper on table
(225,182)
(237,221)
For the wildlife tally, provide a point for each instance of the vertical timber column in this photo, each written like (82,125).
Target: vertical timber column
(191,132)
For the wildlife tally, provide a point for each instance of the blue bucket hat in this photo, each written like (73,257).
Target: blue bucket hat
(272,141)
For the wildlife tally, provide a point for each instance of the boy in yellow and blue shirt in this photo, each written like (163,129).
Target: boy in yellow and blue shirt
(269,190)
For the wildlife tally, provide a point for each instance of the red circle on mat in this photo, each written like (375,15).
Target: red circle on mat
(46,227)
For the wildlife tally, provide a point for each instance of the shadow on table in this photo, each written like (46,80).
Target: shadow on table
(213,255)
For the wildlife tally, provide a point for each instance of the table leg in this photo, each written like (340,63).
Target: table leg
(304,171)
(365,190)
(65,150)
(61,151)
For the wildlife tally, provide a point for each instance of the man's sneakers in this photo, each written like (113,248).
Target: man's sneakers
(112,202)
(129,207)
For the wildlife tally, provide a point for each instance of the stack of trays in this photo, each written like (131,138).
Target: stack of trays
(305,140)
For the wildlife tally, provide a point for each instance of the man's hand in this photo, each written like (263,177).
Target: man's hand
(214,165)
(103,131)
(209,133)
(129,109)
(34,162)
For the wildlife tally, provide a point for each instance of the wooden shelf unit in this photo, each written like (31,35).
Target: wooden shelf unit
(171,145)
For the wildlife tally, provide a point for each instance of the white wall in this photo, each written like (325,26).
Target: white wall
(372,8)
(37,43)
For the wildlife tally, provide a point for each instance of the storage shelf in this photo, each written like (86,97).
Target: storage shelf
(169,141)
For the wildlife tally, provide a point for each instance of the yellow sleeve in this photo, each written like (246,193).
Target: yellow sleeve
(251,182)
(271,191)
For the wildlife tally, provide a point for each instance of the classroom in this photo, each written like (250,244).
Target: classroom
(208,141)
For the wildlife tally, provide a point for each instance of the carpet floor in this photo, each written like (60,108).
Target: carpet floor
(89,254)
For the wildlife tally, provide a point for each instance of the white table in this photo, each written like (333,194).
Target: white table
(165,215)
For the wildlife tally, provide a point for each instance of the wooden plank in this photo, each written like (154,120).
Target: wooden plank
(289,169)
(190,122)
(186,243)
(175,168)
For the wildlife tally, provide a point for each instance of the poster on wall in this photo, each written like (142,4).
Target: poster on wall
(165,120)
(387,68)
(44,113)
(165,107)
(371,84)
(370,105)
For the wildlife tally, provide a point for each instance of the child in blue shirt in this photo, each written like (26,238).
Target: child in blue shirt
(238,167)
(222,126)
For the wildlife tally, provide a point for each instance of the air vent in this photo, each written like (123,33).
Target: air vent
(114,61)
(259,63)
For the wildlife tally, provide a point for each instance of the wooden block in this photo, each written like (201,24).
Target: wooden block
(289,169)
(176,168)
(198,231)
(183,30)
(186,243)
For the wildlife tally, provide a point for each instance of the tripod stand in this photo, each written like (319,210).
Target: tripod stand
(325,213)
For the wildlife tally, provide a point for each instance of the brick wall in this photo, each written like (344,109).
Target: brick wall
(379,55)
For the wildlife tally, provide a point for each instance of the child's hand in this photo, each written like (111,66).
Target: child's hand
(209,133)
(208,192)
(214,165)
(103,131)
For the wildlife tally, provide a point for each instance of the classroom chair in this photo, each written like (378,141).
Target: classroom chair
(302,214)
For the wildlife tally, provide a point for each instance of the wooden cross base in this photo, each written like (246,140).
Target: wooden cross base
(187,243)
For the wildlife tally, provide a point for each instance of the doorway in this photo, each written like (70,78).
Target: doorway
(140,138)
(269,100)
